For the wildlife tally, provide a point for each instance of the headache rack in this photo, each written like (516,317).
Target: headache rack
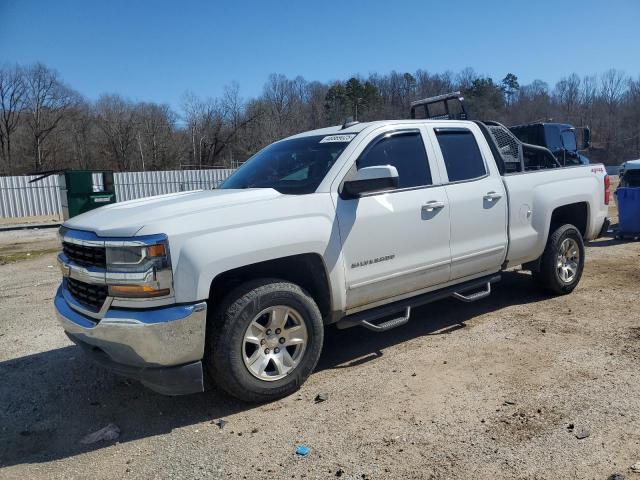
(510,152)
(449,106)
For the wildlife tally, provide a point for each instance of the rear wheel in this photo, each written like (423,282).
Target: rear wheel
(562,261)
(264,340)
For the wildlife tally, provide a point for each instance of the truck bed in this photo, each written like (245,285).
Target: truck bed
(535,195)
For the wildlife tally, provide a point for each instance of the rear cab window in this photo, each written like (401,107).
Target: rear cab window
(461,154)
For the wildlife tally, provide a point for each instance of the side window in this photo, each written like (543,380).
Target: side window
(461,154)
(406,152)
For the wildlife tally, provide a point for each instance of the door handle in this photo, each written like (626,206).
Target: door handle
(491,196)
(432,205)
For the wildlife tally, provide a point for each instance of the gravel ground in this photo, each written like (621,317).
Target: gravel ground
(497,389)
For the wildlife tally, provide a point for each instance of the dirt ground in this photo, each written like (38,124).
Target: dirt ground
(16,245)
(501,388)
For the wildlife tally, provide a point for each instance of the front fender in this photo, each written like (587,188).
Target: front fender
(204,256)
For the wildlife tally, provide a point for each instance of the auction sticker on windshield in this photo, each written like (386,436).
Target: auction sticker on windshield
(338,138)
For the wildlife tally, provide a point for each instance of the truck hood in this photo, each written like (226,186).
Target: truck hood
(126,219)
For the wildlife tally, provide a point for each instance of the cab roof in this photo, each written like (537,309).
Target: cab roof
(631,165)
(359,127)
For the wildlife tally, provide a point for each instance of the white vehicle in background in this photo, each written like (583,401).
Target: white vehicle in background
(347,225)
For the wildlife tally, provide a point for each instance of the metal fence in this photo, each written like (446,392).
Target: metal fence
(19,198)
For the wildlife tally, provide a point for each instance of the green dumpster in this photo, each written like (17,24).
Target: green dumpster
(85,190)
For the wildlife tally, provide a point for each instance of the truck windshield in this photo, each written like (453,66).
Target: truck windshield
(295,166)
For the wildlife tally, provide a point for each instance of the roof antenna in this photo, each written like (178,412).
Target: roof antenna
(349,122)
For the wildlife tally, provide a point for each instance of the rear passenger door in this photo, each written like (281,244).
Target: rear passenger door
(395,242)
(477,200)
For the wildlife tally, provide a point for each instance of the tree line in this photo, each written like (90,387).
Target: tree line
(46,125)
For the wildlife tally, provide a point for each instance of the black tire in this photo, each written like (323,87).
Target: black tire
(225,333)
(548,276)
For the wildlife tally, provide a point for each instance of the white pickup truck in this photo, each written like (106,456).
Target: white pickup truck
(347,225)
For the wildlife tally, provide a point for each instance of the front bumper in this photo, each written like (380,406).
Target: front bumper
(161,347)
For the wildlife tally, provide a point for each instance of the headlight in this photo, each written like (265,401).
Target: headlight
(125,255)
(139,271)
(136,258)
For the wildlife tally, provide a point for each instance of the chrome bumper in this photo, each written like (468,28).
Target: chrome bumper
(146,339)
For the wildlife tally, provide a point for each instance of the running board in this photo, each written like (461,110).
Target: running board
(473,296)
(395,309)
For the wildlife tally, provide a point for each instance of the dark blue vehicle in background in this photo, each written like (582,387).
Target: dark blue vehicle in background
(560,138)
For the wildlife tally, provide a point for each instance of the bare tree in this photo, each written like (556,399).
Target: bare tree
(156,124)
(633,117)
(116,119)
(47,102)
(612,84)
(214,124)
(282,99)
(79,126)
(612,89)
(12,99)
(429,85)
(466,78)
(567,93)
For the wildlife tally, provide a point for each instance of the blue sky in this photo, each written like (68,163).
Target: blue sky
(157,50)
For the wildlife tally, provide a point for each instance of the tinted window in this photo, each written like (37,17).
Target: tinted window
(461,154)
(404,151)
(569,140)
(295,166)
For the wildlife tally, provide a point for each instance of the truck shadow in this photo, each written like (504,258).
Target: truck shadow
(612,238)
(50,400)
(355,346)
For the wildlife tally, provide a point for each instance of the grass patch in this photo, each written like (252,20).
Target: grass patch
(14,257)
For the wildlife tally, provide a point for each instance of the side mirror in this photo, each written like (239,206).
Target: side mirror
(586,138)
(371,179)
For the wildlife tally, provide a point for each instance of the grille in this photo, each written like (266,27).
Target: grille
(92,296)
(84,255)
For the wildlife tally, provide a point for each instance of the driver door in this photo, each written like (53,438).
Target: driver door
(396,242)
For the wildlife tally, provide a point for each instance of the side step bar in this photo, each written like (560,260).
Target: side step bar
(473,296)
(367,317)
(389,324)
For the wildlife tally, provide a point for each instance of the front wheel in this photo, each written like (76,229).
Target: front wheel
(562,261)
(264,340)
